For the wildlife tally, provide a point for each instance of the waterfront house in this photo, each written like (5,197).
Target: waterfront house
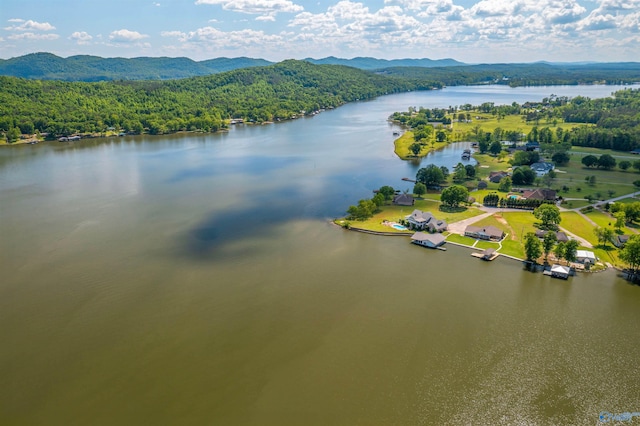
(487,233)
(403,200)
(585,257)
(427,240)
(421,221)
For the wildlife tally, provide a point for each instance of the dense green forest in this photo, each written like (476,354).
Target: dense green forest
(47,66)
(538,74)
(277,92)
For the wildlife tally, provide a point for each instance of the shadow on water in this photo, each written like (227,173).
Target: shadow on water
(252,166)
(227,233)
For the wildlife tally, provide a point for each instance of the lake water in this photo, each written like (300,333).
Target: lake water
(196,279)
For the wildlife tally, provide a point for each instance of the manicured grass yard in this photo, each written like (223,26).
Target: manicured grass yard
(576,224)
(393,213)
(461,239)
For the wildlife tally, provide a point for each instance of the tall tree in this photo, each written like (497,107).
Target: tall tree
(589,160)
(630,254)
(548,242)
(505,184)
(549,215)
(387,191)
(571,250)
(606,162)
(532,247)
(454,195)
(419,189)
(495,147)
(431,175)
(620,220)
(559,250)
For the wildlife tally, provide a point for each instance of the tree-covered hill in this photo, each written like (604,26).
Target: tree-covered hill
(525,74)
(275,92)
(46,66)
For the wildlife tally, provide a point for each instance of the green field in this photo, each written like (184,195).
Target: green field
(402,144)
(571,180)
(393,213)
(488,123)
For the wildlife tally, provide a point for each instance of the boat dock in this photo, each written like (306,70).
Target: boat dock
(488,255)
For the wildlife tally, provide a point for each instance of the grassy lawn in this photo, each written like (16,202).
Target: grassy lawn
(461,239)
(628,200)
(602,219)
(521,223)
(403,143)
(576,224)
(575,204)
(513,248)
(622,155)
(489,123)
(489,163)
(393,213)
(609,183)
(487,244)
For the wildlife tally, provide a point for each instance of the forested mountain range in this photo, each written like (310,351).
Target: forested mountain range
(47,66)
(535,74)
(277,92)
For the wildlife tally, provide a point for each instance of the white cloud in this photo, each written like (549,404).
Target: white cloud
(126,36)
(81,37)
(268,9)
(29,25)
(212,37)
(618,5)
(33,36)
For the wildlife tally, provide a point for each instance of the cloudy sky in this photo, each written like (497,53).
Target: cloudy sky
(473,31)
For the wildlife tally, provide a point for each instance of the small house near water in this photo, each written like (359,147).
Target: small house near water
(427,240)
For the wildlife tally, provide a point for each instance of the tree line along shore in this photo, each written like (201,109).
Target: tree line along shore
(50,109)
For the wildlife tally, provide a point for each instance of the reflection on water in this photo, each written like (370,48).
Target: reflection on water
(195,279)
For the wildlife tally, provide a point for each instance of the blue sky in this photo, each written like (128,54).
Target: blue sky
(473,31)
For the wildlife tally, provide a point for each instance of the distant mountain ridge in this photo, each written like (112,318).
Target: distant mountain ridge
(366,63)
(47,66)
